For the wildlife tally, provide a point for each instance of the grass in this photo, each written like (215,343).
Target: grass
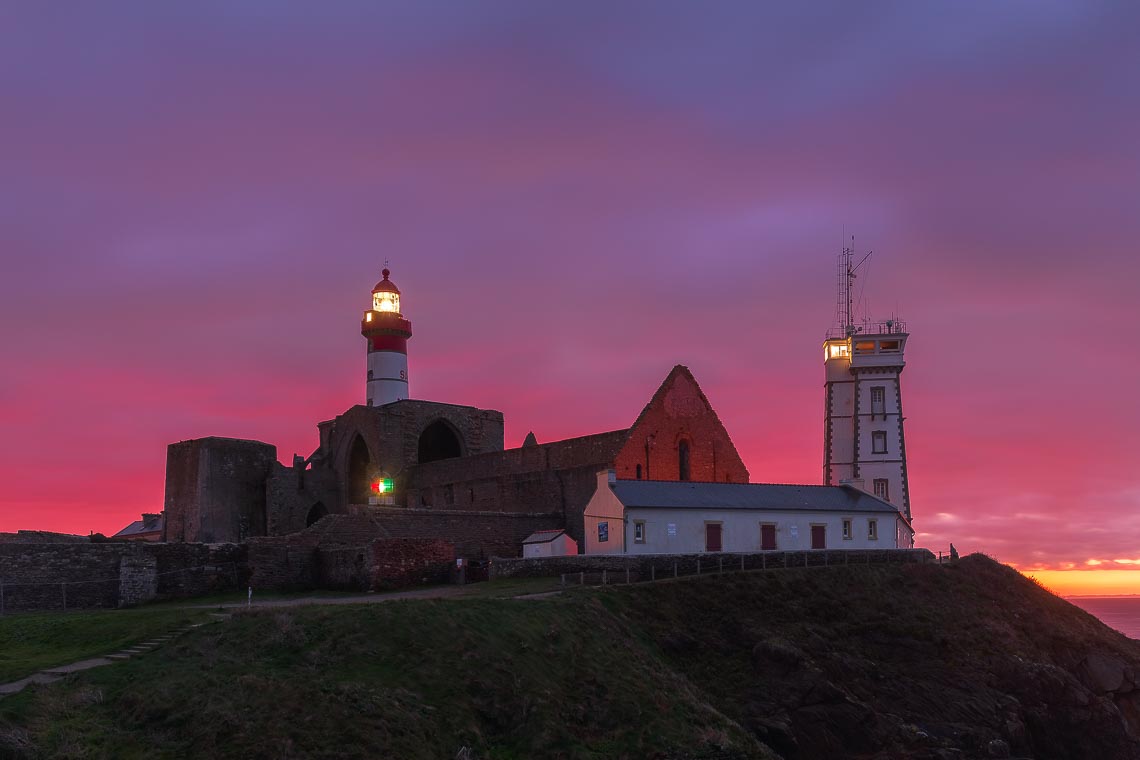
(898,661)
(31,642)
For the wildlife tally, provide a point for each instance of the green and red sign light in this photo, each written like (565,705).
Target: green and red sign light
(382,486)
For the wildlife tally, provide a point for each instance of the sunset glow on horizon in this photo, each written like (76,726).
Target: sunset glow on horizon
(200,198)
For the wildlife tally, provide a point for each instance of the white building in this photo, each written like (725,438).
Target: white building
(549,543)
(657,517)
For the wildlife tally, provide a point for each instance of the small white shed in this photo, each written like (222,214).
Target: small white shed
(549,543)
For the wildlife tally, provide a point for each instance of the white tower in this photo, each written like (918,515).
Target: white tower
(387,332)
(863,441)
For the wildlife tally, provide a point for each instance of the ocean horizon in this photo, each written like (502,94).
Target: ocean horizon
(1119,612)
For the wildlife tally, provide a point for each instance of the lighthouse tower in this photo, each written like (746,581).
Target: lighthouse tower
(387,332)
(863,442)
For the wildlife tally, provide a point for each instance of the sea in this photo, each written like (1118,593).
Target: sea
(1119,612)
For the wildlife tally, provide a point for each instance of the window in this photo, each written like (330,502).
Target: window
(639,472)
(369,374)
(888,345)
(865,347)
(767,536)
(883,488)
(683,459)
(878,393)
(639,532)
(873,529)
(847,530)
(603,532)
(879,442)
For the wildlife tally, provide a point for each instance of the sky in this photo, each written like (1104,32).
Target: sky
(197,199)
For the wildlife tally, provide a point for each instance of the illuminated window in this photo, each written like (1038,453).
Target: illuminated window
(865,347)
(385,301)
(889,345)
(847,529)
(368,316)
(836,350)
(639,532)
(873,529)
(883,489)
(878,393)
(879,442)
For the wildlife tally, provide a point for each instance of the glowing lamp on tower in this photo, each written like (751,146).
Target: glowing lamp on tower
(382,486)
(387,332)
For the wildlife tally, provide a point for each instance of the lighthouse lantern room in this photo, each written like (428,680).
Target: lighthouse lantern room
(387,332)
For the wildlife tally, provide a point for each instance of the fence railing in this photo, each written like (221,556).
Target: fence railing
(651,567)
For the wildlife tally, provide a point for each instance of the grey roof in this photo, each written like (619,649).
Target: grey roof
(768,496)
(543,536)
(145,525)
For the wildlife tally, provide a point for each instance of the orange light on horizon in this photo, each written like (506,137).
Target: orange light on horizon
(1087,582)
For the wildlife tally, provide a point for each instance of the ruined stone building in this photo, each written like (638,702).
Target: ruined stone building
(449,474)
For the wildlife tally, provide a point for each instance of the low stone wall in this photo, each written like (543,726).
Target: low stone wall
(401,562)
(646,566)
(64,576)
(383,563)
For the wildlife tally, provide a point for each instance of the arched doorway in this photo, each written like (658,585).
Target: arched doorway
(359,462)
(439,441)
(318,511)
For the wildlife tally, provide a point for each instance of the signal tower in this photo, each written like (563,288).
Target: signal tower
(863,440)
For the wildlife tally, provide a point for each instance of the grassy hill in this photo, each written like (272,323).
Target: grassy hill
(921,661)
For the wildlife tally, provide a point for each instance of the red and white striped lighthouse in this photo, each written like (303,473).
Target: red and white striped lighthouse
(387,332)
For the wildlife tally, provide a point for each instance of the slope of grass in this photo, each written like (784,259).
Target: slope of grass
(870,661)
(32,642)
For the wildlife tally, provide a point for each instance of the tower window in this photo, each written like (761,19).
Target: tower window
(683,459)
(879,442)
(878,395)
(888,345)
(369,374)
(883,488)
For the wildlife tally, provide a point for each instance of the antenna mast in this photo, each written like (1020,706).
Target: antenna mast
(846,274)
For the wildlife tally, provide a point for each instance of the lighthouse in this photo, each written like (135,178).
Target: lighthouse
(864,445)
(387,332)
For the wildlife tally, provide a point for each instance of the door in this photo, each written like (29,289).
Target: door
(767,537)
(819,536)
(712,537)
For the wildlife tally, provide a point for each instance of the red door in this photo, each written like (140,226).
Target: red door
(818,537)
(712,537)
(767,537)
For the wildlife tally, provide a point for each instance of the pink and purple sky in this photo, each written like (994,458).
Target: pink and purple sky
(198,198)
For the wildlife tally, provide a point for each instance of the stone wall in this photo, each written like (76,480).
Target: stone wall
(292,493)
(386,563)
(554,478)
(215,490)
(646,566)
(78,576)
